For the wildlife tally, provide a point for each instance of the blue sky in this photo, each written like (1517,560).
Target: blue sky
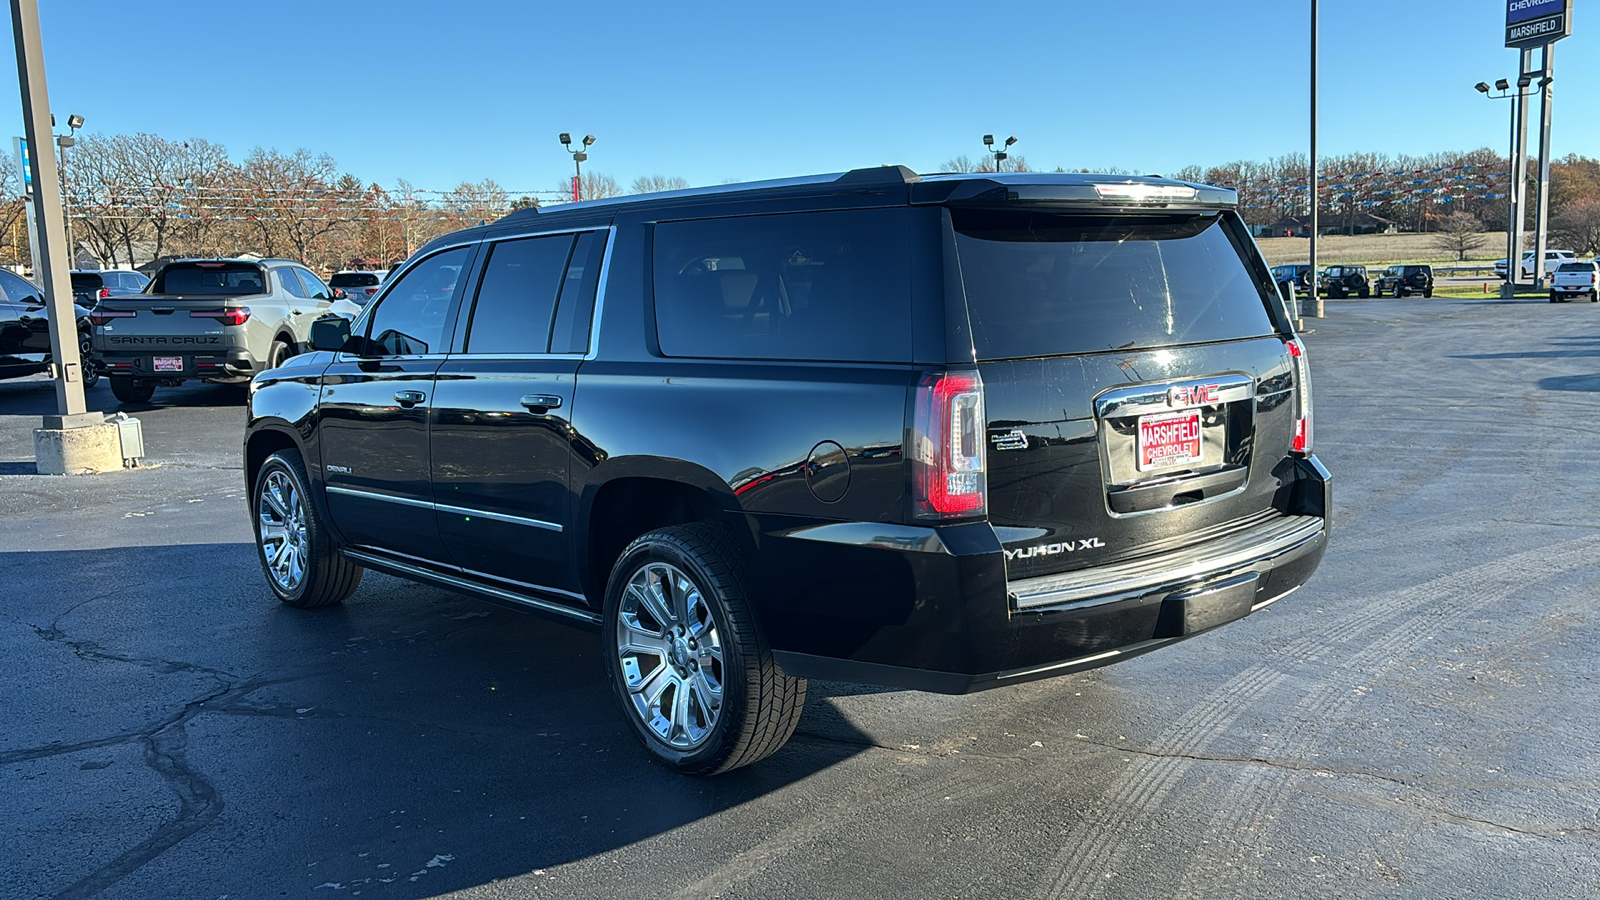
(713,91)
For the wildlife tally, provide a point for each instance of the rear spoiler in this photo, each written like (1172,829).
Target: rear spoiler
(1103,192)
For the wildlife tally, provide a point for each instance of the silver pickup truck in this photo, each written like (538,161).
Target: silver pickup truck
(218,320)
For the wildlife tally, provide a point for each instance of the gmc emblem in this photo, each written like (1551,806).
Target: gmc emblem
(1186,395)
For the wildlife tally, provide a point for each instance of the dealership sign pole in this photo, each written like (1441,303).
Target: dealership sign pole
(1534,24)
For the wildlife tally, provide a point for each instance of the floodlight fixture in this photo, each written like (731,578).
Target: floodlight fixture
(1502,85)
(588,139)
(1011,140)
(565,138)
(1525,79)
(1483,87)
(1545,82)
(988,140)
(74,122)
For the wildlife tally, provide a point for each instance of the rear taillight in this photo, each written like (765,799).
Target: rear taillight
(947,447)
(371,290)
(1302,384)
(103,316)
(233,315)
(105,293)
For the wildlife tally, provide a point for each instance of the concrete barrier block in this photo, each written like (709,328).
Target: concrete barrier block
(88,450)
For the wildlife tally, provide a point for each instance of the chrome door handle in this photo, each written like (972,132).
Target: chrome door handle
(540,401)
(409,399)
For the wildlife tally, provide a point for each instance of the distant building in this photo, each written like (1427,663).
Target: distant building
(1332,223)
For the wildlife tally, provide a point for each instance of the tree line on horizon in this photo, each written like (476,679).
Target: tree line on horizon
(133,198)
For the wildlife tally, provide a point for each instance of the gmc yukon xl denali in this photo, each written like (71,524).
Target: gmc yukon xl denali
(942,433)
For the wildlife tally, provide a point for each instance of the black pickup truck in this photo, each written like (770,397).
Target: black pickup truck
(944,433)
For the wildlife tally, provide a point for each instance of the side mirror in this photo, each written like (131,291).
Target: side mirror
(339,294)
(330,333)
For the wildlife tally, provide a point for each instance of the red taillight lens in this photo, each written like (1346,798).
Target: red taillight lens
(104,293)
(103,316)
(947,452)
(233,315)
(1302,384)
(371,291)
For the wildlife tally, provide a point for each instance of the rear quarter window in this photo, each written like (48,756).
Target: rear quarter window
(1046,284)
(353,279)
(827,286)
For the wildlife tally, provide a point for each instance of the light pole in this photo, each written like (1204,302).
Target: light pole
(1317,309)
(63,141)
(999,155)
(579,157)
(1514,213)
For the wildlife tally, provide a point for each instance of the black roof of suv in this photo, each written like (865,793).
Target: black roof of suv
(944,433)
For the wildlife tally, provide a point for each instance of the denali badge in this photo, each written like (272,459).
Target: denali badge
(342,470)
(1183,395)
(1011,440)
(1053,549)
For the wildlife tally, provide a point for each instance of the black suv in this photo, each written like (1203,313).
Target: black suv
(1342,281)
(945,433)
(1402,281)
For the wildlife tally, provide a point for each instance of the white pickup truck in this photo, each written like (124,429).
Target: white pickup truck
(1553,259)
(1575,280)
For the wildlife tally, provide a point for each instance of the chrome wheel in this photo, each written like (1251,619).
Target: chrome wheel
(671,655)
(281,531)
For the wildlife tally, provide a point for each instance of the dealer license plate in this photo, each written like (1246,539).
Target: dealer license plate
(168,363)
(1169,439)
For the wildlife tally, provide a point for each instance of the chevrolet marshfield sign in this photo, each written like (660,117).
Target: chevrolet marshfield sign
(1530,23)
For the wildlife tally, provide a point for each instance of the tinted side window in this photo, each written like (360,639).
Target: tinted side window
(314,285)
(1045,284)
(18,290)
(410,319)
(812,286)
(291,283)
(517,295)
(575,309)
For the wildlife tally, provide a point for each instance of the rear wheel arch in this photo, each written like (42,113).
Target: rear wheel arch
(615,511)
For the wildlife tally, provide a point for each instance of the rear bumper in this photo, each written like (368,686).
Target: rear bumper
(930,608)
(232,363)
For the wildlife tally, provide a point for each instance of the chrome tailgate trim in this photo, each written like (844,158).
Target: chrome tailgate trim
(1259,544)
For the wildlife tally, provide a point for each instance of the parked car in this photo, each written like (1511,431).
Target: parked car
(359,285)
(1402,281)
(1342,281)
(219,320)
(1300,275)
(25,332)
(924,432)
(1573,280)
(90,287)
(1552,261)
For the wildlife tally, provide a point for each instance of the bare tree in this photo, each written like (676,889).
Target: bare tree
(1016,162)
(1460,233)
(593,186)
(291,199)
(13,236)
(1578,226)
(652,184)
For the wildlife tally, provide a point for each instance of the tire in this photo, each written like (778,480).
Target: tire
(277,354)
(1553,298)
(1365,293)
(303,566)
(1427,293)
(1594,296)
(86,363)
(131,390)
(702,644)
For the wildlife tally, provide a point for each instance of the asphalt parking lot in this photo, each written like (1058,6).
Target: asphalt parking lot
(1419,721)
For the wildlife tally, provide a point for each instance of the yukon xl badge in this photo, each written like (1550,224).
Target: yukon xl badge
(1053,549)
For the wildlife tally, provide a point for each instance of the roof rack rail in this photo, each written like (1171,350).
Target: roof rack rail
(879,174)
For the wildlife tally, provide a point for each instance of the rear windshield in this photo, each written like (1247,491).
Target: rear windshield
(86,281)
(1044,284)
(353,279)
(1565,267)
(209,278)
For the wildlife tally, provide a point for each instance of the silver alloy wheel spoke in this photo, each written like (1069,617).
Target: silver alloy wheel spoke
(671,655)
(282,527)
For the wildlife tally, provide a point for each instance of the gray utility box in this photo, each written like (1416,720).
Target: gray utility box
(131,433)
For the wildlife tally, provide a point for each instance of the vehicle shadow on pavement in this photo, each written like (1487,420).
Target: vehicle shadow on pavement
(412,739)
